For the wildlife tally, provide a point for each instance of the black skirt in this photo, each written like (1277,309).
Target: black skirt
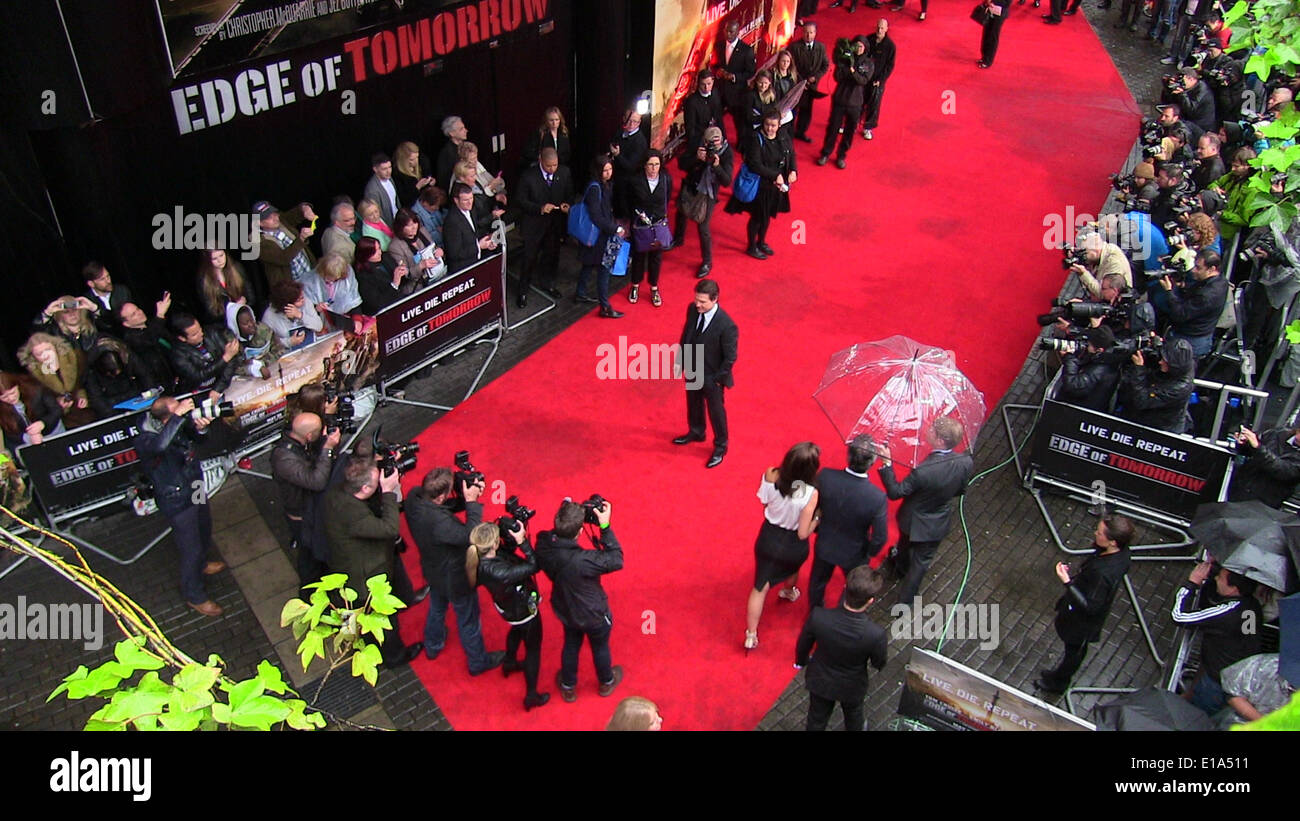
(778,554)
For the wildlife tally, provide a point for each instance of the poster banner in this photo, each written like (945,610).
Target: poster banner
(687,35)
(1138,465)
(260,403)
(439,317)
(84,465)
(945,695)
(367,39)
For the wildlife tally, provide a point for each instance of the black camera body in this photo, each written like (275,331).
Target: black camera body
(345,416)
(517,514)
(1151,348)
(590,506)
(466,474)
(1073,255)
(395,456)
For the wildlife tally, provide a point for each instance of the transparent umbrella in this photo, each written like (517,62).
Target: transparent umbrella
(893,389)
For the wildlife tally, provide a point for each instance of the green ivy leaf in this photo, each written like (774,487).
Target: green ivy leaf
(221,713)
(183,721)
(1293,332)
(311,647)
(366,664)
(349,595)
(216,661)
(243,691)
(1235,13)
(76,675)
(259,712)
(292,611)
(94,725)
(374,623)
(333,581)
(106,676)
(127,705)
(131,653)
(300,719)
(181,701)
(271,677)
(196,678)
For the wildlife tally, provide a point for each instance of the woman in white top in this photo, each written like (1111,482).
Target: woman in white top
(789,517)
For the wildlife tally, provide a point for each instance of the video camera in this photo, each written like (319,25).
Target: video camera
(345,415)
(394,456)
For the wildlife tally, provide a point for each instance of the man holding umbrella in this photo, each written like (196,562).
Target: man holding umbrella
(927,493)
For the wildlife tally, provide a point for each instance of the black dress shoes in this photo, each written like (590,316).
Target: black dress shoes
(687,439)
(610,313)
(535,700)
(715,459)
(587,300)
(767,249)
(803,138)
(1048,687)
(756,253)
(704,270)
(408,654)
(554,292)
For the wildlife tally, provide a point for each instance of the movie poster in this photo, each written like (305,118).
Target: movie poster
(686,36)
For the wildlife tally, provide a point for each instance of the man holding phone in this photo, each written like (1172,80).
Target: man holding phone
(1081,610)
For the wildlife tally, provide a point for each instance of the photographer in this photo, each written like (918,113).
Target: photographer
(1157,397)
(1227,81)
(1173,185)
(1272,467)
(1140,190)
(301,463)
(707,171)
(1090,374)
(442,540)
(362,529)
(1076,313)
(492,562)
(1211,164)
(577,597)
(1195,307)
(851,77)
(1195,100)
(166,445)
(1100,259)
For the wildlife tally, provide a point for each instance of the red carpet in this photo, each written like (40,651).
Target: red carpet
(934,231)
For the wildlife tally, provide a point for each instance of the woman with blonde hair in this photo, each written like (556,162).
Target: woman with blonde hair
(789,518)
(71,324)
(762,98)
(410,174)
(510,578)
(784,74)
(372,223)
(332,286)
(552,133)
(56,364)
(220,282)
(635,713)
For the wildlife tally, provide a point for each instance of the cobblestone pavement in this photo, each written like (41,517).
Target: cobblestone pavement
(1011,561)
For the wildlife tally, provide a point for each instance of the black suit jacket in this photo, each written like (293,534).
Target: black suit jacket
(743,64)
(1081,610)
(700,113)
(812,64)
(460,240)
(108,320)
(719,345)
(443,542)
(653,204)
(533,193)
(927,494)
(855,518)
(846,643)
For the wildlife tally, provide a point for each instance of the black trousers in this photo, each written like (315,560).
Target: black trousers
(709,395)
(914,558)
(640,262)
(1071,660)
(989,40)
(530,634)
(310,568)
(541,258)
(756,228)
(820,709)
(871,109)
(845,117)
(803,117)
(705,229)
(822,571)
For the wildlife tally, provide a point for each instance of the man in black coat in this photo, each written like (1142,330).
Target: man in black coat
(443,542)
(712,338)
(1197,101)
(201,360)
(812,63)
(1157,397)
(543,199)
(854,518)
(466,241)
(1081,610)
(577,596)
(927,494)
(301,464)
(108,297)
(734,68)
(1089,377)
(880,49)
(628,151)
(846,641)
(701,110)
(1272,468)
(708,168)
(846,103)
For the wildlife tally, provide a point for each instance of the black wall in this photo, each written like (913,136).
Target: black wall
(108,176)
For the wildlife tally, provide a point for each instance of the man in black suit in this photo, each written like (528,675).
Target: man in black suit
(106,296)
(854,518)
(812,63)
(734,69)
(707,367)
(846,103)
(702,110)
(846,641)
(543,197)
(1081,610)
(927,494)
(464,238)
(628,152)
(881,51)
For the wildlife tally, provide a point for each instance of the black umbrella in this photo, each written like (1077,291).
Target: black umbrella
(1151,709)
(1252,539)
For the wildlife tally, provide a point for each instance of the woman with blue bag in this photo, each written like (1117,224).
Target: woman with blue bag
(598,202)
(769,156)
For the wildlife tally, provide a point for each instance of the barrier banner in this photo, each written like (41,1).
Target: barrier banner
(1142,466)
(84,465)
(439,317)
(945,695)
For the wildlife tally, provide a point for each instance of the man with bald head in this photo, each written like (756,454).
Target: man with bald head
(301,463)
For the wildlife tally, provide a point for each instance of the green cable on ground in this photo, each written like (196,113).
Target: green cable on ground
(961,512)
